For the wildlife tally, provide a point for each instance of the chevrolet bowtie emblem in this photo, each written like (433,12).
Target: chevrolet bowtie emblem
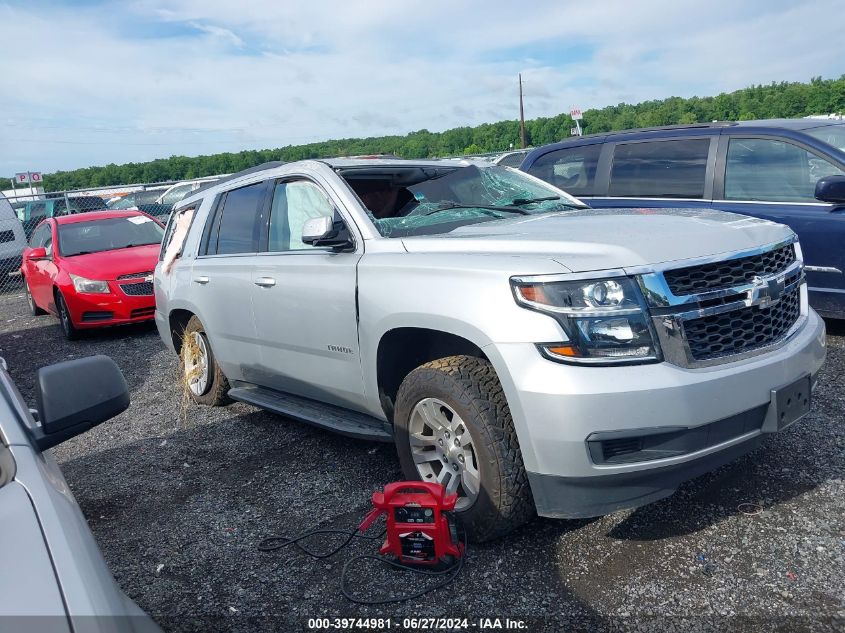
(148,278)
(766,292)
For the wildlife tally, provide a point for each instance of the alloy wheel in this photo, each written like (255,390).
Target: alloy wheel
(196,364)
(442,449)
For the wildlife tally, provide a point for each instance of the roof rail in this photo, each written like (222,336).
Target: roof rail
(657,128)
(250,170)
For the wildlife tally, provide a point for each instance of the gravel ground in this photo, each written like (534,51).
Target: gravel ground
(179,497)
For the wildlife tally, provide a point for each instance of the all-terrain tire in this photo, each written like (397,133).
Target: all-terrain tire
(471,388)
(216,391)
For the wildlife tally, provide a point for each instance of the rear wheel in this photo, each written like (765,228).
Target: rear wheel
(203,380)
(66,323)
(453,426)
(33,308)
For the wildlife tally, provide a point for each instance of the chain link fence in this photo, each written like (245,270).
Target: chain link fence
(21,214)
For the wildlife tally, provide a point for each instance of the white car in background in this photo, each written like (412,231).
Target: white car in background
(175,193)
(12,239)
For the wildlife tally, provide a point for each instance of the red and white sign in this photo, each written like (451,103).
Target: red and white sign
(26,177)
(575,113)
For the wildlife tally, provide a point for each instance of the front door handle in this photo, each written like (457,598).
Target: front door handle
(201,280)
(265,282)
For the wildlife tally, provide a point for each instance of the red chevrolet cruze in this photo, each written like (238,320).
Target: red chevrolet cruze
(93,269)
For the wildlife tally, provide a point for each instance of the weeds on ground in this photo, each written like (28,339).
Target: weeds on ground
(190,351)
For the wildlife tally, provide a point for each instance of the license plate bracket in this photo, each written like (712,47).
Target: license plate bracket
(788,404)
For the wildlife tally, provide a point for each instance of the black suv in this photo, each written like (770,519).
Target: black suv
(767,169)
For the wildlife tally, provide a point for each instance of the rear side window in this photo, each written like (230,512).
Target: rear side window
(768,169)
(238,221)
(660,169)
(572,169)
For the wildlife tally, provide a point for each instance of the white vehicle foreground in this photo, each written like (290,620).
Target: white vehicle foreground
(529,353)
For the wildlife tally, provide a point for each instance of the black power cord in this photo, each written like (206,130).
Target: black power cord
(272,543)
(451,572)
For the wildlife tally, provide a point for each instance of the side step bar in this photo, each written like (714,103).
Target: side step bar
(326,416)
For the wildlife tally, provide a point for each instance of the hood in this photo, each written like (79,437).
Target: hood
(109,265)
(597,239)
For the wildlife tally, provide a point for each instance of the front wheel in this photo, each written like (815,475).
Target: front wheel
(453,426)
(202,378)
(66,323)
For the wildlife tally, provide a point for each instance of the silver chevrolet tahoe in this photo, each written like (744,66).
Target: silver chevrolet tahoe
(527,352)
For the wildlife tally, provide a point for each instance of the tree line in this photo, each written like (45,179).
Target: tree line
(777,100)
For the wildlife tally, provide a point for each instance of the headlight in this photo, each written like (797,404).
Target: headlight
(89,286)
(605,319)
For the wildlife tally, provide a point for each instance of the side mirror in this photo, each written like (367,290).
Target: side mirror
(831,189)
(76,395)
(37,253)
(325,231)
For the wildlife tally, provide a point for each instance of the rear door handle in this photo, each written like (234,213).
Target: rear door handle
(265,282)
(201,280)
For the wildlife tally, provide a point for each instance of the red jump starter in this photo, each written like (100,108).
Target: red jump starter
(420,527)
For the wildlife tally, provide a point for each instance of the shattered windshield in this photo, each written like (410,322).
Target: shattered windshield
(404,201)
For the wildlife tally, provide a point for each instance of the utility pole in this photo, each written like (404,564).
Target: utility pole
(521,116)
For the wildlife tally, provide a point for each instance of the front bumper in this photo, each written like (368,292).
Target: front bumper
(102,310)
(557,407)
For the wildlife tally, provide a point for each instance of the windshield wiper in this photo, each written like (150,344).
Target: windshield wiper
(518,201)
(134,244)
(489,207)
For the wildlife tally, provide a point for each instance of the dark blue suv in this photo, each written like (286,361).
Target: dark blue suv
(768,169)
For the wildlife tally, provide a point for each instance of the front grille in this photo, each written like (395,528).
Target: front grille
(140,289)
(729,273)
(742,330)
(7,236)
(135,275)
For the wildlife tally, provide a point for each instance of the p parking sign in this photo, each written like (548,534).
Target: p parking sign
(28,177)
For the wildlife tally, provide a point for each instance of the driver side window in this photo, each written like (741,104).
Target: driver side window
(294,203)
(768,169)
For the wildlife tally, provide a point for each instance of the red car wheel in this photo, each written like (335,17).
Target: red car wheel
(65,321)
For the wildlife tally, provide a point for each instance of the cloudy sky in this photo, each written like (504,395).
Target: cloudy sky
(91,82)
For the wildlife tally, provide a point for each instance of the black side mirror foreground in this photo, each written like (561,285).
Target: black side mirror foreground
(831,189)
(76,395)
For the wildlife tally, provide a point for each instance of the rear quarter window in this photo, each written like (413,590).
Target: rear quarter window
(572,169)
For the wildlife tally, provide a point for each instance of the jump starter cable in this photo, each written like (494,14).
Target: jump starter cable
(451,572)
